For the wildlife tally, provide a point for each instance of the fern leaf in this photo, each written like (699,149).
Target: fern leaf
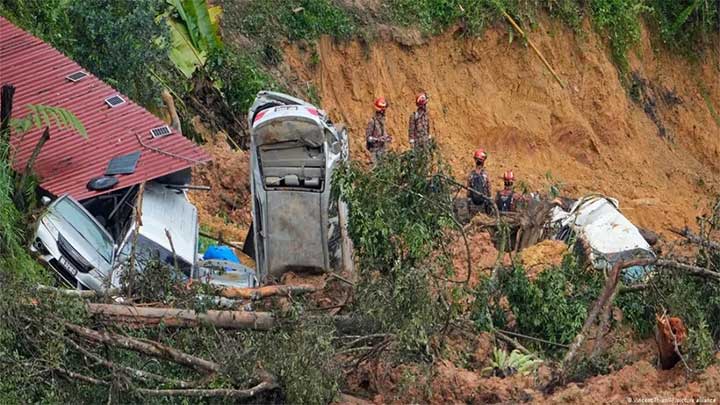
(46,117)
(61,118)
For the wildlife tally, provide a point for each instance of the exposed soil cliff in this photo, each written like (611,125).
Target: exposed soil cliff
(657,151)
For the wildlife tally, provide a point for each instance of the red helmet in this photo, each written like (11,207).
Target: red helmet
(421,99)
(380,104)
(480,155)
(508,176)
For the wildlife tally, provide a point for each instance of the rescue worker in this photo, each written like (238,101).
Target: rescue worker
(376,137)
(478,184)
(419,124)
(507,199)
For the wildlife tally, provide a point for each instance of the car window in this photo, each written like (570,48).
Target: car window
(148,251)
(86,227)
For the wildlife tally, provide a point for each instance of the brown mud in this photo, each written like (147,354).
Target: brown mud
(659,155)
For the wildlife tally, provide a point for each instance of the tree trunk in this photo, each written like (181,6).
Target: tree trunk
(605,299)
(149,316)
(6,106)
(19,195)
(264,292)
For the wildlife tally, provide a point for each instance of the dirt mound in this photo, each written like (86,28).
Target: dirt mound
(642,381)
(226,208)
(589,136)
(545,254)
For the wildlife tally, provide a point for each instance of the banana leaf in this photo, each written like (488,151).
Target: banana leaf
(183,54)
(201,22)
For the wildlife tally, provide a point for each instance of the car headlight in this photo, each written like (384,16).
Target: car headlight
(40,247)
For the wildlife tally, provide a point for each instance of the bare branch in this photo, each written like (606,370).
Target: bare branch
(605,298)
(132,372)
(147,347)
(696,270)
(218,392)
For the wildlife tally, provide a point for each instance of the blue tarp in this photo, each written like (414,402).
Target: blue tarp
(215,252)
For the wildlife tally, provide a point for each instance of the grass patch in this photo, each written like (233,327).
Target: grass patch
(268,21)
(434,16)
(619,21)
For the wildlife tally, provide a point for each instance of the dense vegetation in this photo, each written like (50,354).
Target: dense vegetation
(127,43)
(407,294)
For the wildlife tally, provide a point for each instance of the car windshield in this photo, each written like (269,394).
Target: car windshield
(86,227)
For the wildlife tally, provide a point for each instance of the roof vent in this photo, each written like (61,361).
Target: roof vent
(77,76)
(160,131)
(114,101)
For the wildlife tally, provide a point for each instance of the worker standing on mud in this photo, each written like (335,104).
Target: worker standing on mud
(507,199)
(478,184)
(419,125)
(376,137)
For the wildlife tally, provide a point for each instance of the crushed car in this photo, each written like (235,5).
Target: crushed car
(294,151)
(89,245)
(609,237)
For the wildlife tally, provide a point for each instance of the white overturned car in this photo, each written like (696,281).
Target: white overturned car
(294,151)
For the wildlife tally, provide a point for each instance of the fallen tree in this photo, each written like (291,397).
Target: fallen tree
(265,292)
(149,316)
(147,347)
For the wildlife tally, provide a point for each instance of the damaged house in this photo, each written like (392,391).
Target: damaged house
(93,183)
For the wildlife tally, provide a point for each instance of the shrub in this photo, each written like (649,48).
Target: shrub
(268,21)
(620,21)
(686,24)
(555,305)
(398,215)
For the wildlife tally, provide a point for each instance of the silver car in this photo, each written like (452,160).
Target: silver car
(294,150)
(75,245)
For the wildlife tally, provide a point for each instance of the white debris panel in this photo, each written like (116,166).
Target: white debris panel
(597,220)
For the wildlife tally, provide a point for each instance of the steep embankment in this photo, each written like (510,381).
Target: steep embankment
(660,154)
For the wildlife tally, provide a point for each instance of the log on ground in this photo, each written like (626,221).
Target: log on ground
(149,316)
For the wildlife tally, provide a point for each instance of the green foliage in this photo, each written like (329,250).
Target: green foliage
(268,21)
(239,77)
(695,300)
(115,40)
(701,346)
(555,305)
(302,357)
(42,116)
(620,21)
(602,363)
(504,365)
(398,215)
(14,257)
(193,33)
(686,24)
(433,16)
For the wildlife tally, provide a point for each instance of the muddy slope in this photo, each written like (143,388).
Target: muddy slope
(660,154)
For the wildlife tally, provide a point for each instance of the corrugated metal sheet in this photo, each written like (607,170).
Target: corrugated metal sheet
(67,161)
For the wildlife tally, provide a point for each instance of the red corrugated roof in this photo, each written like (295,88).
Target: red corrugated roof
(67,161)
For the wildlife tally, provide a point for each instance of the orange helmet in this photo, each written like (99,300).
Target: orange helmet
(480,155)
(380,104)
(508,176)
(421,99)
